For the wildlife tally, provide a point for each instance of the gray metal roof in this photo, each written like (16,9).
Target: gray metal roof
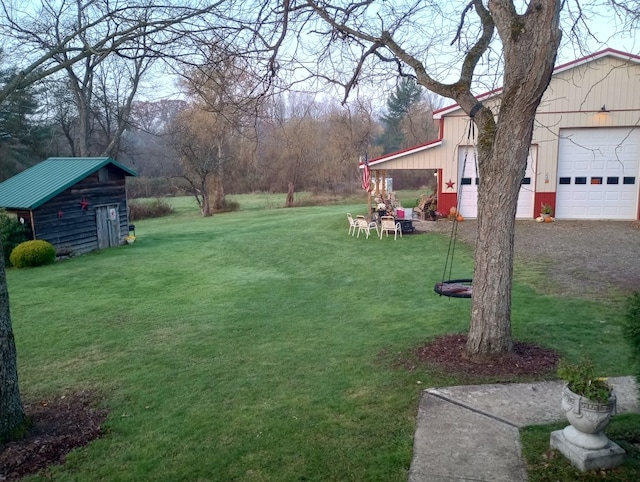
(35,186)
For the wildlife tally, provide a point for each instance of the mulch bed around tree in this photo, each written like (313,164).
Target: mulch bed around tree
(447,353)
(58,426)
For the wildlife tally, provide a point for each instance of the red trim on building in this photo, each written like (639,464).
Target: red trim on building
(541,198)
(446,201)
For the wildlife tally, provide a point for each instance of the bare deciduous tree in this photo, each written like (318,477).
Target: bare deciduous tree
(200,140)
(28,36)
(225,99)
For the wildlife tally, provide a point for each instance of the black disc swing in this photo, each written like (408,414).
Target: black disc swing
(457,288)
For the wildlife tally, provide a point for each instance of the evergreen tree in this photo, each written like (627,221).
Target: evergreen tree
(407,95)
(22,139)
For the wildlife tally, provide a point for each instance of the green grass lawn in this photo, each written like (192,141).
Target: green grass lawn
(247,346)
(545,465)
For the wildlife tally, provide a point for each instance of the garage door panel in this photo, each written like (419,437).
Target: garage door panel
(597,171)
(614,166)
(611,211)
(576,196)
(613,196)
(595,196)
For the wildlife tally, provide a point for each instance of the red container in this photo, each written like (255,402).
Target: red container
(400,213)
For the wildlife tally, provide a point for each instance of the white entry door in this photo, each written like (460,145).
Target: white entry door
(468,184)
(598,171)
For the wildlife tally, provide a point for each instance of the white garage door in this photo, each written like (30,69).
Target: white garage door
(468,184)
(598,173)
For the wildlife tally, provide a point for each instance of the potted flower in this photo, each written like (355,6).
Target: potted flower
(130,239)
(588,403)
(546,211)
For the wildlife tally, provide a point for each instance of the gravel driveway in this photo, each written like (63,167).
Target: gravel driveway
(589,259)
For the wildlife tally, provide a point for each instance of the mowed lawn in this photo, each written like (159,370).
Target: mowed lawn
(259,345)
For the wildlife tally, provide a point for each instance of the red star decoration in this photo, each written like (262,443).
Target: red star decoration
(84,204)
(60,214)
(450,184)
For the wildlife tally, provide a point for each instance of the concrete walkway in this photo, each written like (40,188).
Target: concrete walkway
(470,433)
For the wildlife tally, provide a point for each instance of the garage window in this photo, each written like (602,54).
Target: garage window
(581,180)
(612,180)
(565,180)
(628,180)
(596,180)
(526,181)
(465,181)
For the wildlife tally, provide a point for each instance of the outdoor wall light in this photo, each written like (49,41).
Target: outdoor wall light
(604,109)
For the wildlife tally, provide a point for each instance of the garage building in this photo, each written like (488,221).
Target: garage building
(585,154)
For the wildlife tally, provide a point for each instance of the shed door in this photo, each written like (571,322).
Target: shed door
(598,172)
(468,184)
(108,225)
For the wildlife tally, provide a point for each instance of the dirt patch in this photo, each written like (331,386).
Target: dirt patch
(58,426)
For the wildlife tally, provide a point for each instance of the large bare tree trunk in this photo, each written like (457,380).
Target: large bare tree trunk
(530,45)
(11,409)
(216,193)
(501,167)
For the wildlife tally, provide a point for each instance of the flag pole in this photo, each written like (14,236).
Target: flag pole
(366,183)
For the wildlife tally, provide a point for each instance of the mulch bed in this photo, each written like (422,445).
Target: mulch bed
(58,426)
(447,353)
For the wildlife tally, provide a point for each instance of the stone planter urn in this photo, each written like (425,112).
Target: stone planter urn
(588,419)
(583,442)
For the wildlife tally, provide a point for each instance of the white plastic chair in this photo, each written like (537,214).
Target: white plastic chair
(353,225)
(388,224)
(364,225)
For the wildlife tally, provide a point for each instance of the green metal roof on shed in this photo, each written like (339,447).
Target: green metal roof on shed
(35,186)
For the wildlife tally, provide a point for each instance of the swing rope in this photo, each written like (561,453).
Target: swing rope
(457,288)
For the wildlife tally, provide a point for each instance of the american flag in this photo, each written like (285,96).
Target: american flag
(366,175)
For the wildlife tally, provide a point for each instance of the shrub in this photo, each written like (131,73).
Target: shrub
(581,380)
(13,233)
(230,206)
(631,329)
(33,253)
(154,208)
